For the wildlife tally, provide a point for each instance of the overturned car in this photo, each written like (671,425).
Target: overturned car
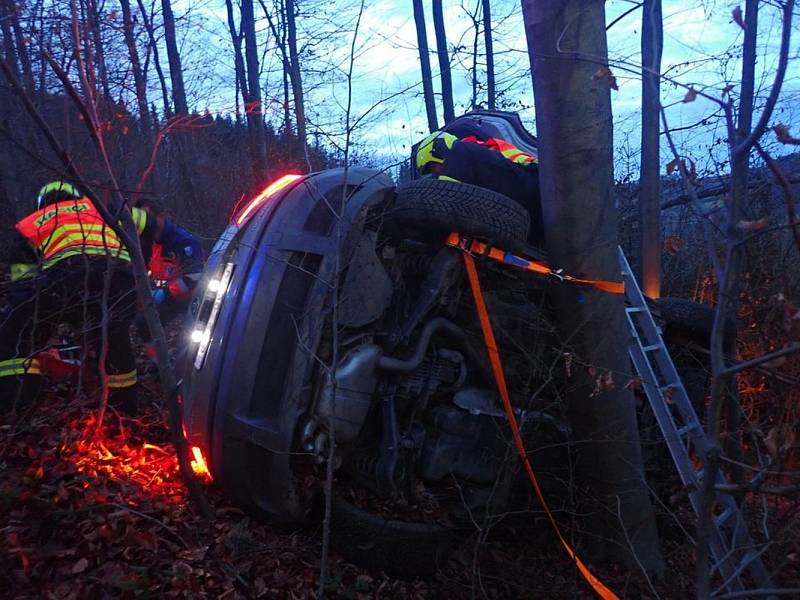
(335,323)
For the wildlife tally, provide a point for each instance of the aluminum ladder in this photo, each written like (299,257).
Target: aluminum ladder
(732,547)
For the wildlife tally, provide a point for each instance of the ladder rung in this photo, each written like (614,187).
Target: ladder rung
(687,428)
(634,309)
(652,347)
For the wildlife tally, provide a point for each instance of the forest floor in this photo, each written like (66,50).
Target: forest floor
(88,516)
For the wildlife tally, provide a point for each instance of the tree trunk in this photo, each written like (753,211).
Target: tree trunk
(22,47)
(487,42)
(650,178)
(294,73)
(253,108)
(280,41)
(148,25)
(238,59)
(99,48)
(175,70)
(573,115)
(444,62)
(138,76)
(425,64)
(8,37)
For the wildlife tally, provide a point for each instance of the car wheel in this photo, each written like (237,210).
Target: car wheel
(399,548)
(432,206)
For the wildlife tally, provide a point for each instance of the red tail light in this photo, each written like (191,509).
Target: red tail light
(265,195)
(199,465)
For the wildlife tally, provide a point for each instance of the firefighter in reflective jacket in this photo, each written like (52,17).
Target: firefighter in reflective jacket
(175,266)
(489,163)
(60,257)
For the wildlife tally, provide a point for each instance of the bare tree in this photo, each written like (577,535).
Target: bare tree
(253,108)
(650,179)
(138,75)
(175,69)
(575,136)
(295,75)
(148,25)
(489,48)
(425,65)
(743,135)
(238,59)
(444,61)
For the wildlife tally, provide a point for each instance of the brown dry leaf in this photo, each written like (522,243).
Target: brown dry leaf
(80,566)
(669,392)
(568,363)
(784,136)
(672,166)
(757,225)
(727,89)
(634,383)
(673,244)
(738,18)
(690,96)
(780,439)
(605,74)
(692,175)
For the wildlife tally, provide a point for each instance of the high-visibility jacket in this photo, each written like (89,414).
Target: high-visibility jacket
(507,149)
(70,228)
(176,262)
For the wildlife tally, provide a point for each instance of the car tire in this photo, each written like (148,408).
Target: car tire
(432,206)
(399,548)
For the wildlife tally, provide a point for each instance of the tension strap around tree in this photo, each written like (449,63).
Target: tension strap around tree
(457,240)
(502,388)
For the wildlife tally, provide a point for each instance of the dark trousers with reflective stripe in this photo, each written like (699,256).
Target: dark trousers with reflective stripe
(486,168)
(68,293)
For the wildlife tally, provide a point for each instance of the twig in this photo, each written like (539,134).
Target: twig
(174,533)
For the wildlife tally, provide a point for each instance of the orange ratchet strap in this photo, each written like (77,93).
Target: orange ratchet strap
(497,368)
(456,240)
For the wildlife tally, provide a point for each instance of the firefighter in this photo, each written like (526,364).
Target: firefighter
(175,266)
(490,163)
(60,258)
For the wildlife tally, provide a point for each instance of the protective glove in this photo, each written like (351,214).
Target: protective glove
(159,295)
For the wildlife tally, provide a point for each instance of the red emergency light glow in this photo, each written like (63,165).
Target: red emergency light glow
(199,465)
(265,195)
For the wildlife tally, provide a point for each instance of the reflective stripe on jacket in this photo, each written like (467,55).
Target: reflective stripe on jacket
(71,228)
(508,150)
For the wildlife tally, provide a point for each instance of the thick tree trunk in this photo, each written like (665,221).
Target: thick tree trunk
(138,75)
(425,65)
(253,108)
(444,62)
(175,69)
(148,25)
(487,43)
(573,115)
(650,178)
(294,72)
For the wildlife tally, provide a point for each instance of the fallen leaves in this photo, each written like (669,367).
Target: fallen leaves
(673,244)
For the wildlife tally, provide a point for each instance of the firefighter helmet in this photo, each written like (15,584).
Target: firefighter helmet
(56,191)
(433,148)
